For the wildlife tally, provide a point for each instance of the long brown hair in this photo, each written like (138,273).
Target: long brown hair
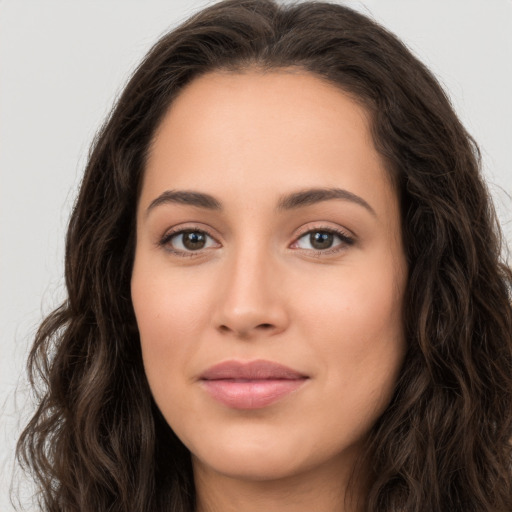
(97,442)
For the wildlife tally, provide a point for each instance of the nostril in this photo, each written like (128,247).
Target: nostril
(245,329)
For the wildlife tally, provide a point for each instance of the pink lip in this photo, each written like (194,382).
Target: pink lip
(251,385)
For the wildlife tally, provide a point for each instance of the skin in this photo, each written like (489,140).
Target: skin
(259,289)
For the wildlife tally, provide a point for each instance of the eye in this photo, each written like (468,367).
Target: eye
(188,240)
(323,240)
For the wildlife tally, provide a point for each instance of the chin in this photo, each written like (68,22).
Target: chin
(258,460)
(251,468)
(249,457)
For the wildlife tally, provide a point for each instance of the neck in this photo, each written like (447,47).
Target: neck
(325,489)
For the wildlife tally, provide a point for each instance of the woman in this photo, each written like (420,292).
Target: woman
(285,287)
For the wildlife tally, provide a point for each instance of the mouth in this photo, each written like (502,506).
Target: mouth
(250,385)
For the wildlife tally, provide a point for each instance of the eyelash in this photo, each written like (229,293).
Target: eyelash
(345,240)
(166,239)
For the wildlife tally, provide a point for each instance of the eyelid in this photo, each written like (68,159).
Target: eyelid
(164,241)
(346,237)
(324,226)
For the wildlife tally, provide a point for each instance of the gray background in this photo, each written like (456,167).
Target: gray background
(62,63)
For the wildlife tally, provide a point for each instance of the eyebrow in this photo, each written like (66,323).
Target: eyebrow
(288,202)
(187,197)
(317,195)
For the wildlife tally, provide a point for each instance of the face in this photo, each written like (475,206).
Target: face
(269,273)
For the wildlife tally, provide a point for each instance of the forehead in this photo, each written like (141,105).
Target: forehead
(264,132)
(290,100)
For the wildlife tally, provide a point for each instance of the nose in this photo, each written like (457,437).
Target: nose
(251,299)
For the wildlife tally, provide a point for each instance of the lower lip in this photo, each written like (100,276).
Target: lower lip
(251,394)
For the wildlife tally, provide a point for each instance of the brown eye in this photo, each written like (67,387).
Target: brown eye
(321,239)
(193,240)
(188,241)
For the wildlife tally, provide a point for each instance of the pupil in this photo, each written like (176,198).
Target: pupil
(321,240)
(194,240)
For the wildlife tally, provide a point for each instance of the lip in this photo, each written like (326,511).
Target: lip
(250,385)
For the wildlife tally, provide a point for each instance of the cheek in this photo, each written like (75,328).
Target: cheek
(356,331)
(363,306)
(170,312)
(166,301)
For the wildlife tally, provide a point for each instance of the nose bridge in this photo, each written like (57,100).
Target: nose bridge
(250,296)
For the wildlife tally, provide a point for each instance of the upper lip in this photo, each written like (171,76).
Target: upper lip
(251,370)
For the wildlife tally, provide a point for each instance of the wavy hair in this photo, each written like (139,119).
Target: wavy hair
(97,441)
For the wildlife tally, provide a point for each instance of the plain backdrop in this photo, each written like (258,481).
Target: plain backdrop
(62,64)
